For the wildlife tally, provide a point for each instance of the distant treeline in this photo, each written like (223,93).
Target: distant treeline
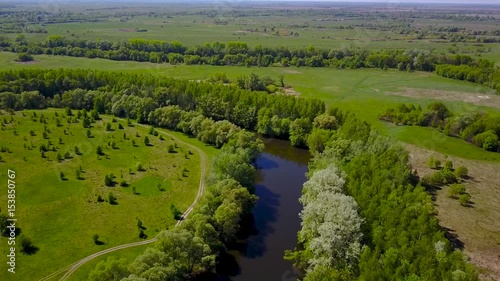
(366,217)
(480,129)
(240,54)
(161,101)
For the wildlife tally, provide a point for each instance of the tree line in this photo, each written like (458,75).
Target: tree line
(240,54)
(480,129)
(392,232)
(137,96)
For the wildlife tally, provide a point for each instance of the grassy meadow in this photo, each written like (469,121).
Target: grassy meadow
(61,213)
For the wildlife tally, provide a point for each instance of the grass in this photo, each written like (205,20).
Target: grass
(61,216)
(361,91)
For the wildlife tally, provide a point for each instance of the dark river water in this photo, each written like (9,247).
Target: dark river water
(281,172)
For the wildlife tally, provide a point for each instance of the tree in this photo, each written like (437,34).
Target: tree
(464,199)
(120,126)
(456,190)
(78,174)
(68,111)
(108,126)
(175,212)
(430,163)
(89,134)
(108,180)
(146,141)
(99,150)
(139,167)
(111,198)
(95,237)
(227,218)
(61,176)
(77,150)
(24,57)
(86,122)
(448,165)
(461,172)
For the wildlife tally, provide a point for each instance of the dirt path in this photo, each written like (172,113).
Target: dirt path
(70,269)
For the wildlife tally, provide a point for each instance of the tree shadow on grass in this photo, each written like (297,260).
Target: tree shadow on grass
(31,250)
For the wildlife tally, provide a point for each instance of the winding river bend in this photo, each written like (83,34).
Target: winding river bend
(281,172)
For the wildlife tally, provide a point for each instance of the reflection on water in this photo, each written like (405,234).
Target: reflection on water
(281,173)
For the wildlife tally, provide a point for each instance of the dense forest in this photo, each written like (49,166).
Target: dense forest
(480,129)
(382,225)
(462,67)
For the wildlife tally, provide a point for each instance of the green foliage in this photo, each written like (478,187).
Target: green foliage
(175,212)
(448,165)
(95,238)
(24,57)
(461,172)
(99,150)
(111,198)
(482,130)
(26,245)
(109,269)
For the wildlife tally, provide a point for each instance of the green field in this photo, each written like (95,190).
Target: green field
(61,215)
(362,91)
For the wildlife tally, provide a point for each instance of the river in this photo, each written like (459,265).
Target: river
(281,172)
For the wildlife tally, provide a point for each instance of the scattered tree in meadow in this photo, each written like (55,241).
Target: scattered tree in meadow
(78,174)
(111,198)
(99,150)
(146,141)
(108,180)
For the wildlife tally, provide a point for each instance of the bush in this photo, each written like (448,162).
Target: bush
(461,172)
(455,190)
(111,198)
(448,165)
(139,167)
(108,181)
(27,246)
(175,212)
(437,164)
(95,237)
(120,126)
(24,57)
(99,150)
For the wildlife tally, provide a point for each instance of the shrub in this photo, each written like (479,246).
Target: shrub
(171,148)
(108,181)
(139,167)
(95,237)
(455,190)
(27,246)
(99,150)
(24,57)
(464,199)
(461,172)
(175,212)
(120,126)
(111,198)
(437,164)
